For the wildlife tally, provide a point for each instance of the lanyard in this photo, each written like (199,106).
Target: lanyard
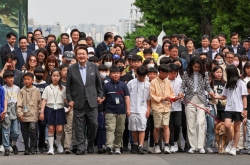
(27,97)
(54,93)
(9,94)
(143,90)
(162,91)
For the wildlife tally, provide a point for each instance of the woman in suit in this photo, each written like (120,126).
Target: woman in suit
(194,81)
(190,53)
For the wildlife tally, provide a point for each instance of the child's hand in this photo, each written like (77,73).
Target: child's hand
(147,113)
(2,115)
(128,113)
(181,95)
(244,120)
(21,118)
(41,116)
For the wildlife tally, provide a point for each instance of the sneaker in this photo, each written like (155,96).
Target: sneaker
(245,145)
(191,151)
(32,150)
(157,149)
(140,150)
(145,146)
(26,152)
(51,151)
(209,150)
(229,146)
(15,150)
(202,151)
(150,150)
(233,151)
(109,150)
(167,150)
(176,147)
(67,151)
(6,152)
(11,149)
(59,147)
(172,149)
(117,151)
(248,152)
(2,149)
(134,149)
(125,149)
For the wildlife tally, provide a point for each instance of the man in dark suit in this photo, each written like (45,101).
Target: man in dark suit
(215,48)
(22,53)
(37,33)
(138,45)
(175,41)
(41,43)
(84,93)
(205,42)
(154,44)
(104,45)
(9,47)
(237,48)
(75,35)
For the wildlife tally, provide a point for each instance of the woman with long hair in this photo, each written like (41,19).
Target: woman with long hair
(165,51)
(42,57)
(54,50)
(50,64)
(30,64)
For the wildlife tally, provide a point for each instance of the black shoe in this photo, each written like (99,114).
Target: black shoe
(80,152)
(15,150)
(140,150)
(100,151)
(26,152)
(45,146)
(6,152)
(134,150)
(32,150)
(109,150)
(41,150)
(125,149)
(90,149)
(74,149)
(67,151)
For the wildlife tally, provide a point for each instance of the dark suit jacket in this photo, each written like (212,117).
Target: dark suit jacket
(186,56)
(210,54)
(67,48)
(159,50)
(5,50)
(181,49)
(100,48)
(136,50)
(20,59)
(240,49)
(77,91)
(199,50)
(32,46)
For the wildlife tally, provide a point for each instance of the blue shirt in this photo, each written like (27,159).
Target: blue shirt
(113,91)
(83,73)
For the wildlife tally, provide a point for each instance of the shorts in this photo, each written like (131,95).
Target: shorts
(235,116)
(161,118)
(137,122)
(221,115)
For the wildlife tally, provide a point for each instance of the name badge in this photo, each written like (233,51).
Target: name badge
(55,105)
(25,108)
(142,103)
(117,101)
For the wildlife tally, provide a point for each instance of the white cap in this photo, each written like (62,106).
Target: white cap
(90,49)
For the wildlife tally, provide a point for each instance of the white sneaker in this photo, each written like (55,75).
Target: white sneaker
(11,149)
(176,146)
(167,150)
(245,145)
(191,151)
(157,149)
(229,146)
(2,149)
(59,147)
(117,151)
(145,146)
(150,150)
(209,150)
(202,151)
(51,151)
(233,151)
(172,149)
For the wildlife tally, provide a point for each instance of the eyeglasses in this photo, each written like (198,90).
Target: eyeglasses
(32,60)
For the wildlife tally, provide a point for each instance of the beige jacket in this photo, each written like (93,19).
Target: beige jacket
(31,98)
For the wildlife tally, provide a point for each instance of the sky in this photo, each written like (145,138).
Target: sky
(74,12)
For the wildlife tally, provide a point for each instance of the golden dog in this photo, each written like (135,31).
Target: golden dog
(220,136)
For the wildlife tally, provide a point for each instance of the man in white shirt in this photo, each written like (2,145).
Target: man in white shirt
(238,49)
(205,42)
(215,44)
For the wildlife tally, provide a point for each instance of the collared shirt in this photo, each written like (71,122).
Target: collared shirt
(83,71)
(214,52)
(196,76)
(36,46)
(205,50)
(160,89)
(235,49)
(107,46)
(24,53)
(11,47)
(62,48)
(154,49)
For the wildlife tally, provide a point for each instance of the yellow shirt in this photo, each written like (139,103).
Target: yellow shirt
(155,56)
(158,89)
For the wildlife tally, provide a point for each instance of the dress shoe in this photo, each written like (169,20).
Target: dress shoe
(91,150)
(15,150)
(26,152)
(32,150)
(6,152)
(80,152)
(74,149)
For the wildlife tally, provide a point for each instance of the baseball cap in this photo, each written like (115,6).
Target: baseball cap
(90,49)
(115,56)
(130,55)
(68,55)
(82,42)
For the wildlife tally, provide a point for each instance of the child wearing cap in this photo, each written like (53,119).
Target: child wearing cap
(67,57)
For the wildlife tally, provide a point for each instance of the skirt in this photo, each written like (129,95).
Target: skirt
(54,117)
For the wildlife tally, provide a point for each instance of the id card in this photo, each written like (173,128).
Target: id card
(25,108)
(55,105)
(117,101)
(142,103)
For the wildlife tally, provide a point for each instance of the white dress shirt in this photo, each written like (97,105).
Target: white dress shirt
(11,47)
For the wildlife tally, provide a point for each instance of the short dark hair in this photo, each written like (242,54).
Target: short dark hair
(154,70)
(22,37)
(39,69)
(65,34)
(93,59)
(182,36)
(165,37)
(74,30)
(229,53)
(244,57)
(248,85)
(147,41)
(136,58)
(30,33)
(147,51)
(51,35)
(214,38)
(173,67)
(187,40)
(222,35)
(28,74)
(63,66)
(8,73)
(81,47)
(114,69)
(175,36)
(165,60)
(38,30)
(107,35)
(11,56)
(205,37)
(103,67)
(153,38)
(163,68)
(172,46)
(120,60)
(11,34)
(82,36)
(89,38)
(116,37)
(142,71)
(234,34)
(203,53)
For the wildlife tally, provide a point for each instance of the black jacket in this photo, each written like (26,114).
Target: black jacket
(5,50)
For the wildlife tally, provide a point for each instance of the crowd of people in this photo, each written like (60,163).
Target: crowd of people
(74,96)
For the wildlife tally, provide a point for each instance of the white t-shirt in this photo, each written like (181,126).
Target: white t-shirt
(176,85)
(54,95)
(11,93)
(139,95)
(234,97)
